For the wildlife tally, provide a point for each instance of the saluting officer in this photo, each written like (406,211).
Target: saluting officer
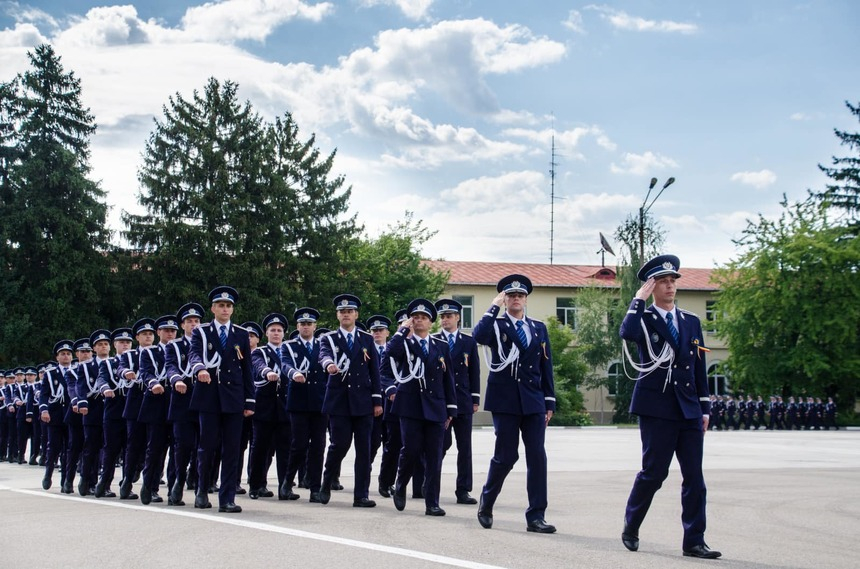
(113,388)
(220,360)
(305,395)
(467,383)
(52,409)
(424,401)
(179,414)
(672,401)
(520,395)
(353,397)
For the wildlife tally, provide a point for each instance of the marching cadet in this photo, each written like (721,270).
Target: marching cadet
(352,398)
(23,429)
(184,421)
(52,410)
(113,390)
(759,412)
(271,420)
(255,335)
(378,327)
(467,384)
(424,401)
(712,422)
(10,451)
(91,407)
(380,338)
(792,415)
(128,368)
(520,395)
(40,431)
(74,419)
(742,413)
(830,415)
(32,427)
(4,428)
(731,411)
(153,377)
(672,401)
(220,359)
(305,394)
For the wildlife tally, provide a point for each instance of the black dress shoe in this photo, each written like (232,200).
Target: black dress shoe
(145,495)
(465,498)
(33,461)
(485,515)
(384,491)
(240,491)
(265,493)
(67,487)
(434,511)
(702,552)
(156,499)
(172,502)
(540,526)
(325,492)
(41,461)
(630,538)
(336,485)
(125,489)
(252,494)
(201,501)
(174,496)
(83,488)
(230,508)
(109,494)
(399,500)
(363,503)
(46,482)
(100,489)
(315,498)
(287,494)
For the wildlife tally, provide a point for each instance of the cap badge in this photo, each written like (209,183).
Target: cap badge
(668,266)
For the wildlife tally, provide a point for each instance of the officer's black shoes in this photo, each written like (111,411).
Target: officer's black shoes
(100,489)
(83,488)
(265,493)
(540,526)
(145,495)
(67,487)
(325,492)
(285,492)
(46,482)
(485,515)
(384,491)
(399,499)
(201,501)
(33,461)
(434,511)
(125,489)
(252,494)
(465,498)
(363,503)
(230,508)
(702,552)
(335,484)
(240,490)
(315,498)
(156,499)
(630,538)
(174,496)
(109,493)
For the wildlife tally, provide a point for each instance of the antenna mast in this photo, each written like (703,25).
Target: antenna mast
(552,165)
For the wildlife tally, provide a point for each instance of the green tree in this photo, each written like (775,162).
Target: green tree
(791,302)
(55,241)
(843,195)
(232,199)
(569,371)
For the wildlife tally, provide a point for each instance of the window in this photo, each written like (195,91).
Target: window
(466,315)
(614,375)
(710,317)
(718,384)
(565,310)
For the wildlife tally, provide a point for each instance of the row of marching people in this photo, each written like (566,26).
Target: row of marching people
(183,402)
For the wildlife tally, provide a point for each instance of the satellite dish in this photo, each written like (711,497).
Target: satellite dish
(605,244)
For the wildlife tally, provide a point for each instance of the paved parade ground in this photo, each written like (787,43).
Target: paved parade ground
(775,499)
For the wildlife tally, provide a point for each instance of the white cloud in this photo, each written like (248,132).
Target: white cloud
(758,180)
(29,14)
(624,21)
(412,9)
(642,164)
(23,35)
(567,141)
(574,22)
(247,19)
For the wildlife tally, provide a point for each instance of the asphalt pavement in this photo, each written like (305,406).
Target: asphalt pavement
(775,499)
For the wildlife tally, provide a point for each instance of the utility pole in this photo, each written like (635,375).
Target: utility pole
(643,209)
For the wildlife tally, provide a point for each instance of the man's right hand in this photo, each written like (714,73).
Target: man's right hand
(331,369)
(203,377)
(646,289)
(500,299)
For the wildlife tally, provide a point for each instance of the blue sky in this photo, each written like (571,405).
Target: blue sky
(447,108)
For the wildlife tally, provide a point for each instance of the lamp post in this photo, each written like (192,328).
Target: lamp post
(644,209)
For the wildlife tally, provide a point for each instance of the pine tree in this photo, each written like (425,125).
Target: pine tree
(54,217)
(844,194)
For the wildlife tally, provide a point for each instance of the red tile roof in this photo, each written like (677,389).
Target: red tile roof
(542,275)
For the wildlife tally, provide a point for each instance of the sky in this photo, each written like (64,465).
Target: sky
(449,109)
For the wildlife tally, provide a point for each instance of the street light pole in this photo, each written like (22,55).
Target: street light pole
(644,209)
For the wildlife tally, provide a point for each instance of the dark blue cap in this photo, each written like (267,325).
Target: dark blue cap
(121,334)
(10,373)
(83,345)
(360,325)
(253,328)
(293,334)
(18,371)
(167,322)
(346,301)
(143,325)
(31,370)
(320,331)
(515,283)
(192,309)
(660,266)
(306,314)
(98,336)
(275,318)
(448,306)
(378,321)
(223,293)
(422,306)
(401,315)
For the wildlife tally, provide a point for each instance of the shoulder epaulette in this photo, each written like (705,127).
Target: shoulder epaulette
(206,325)
(438,339)
(365,333)
(329,333)
(688,312)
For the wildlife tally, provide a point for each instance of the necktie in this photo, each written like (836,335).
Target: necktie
(349,341)
(309,347)
(381,349)
(223,337)
(424,347)
(451,342)
(521,334)
(672,329)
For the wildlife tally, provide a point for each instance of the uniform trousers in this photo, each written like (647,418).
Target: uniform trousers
(461,429)
(344,430)
(268,436)
(114,432)
(184,446)
(75,447)
(220,431)
(307,446)
(421,438)
(93,443)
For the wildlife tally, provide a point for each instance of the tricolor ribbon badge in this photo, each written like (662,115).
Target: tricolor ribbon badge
(366,357)
(543,348)
(699,349)
(238,352)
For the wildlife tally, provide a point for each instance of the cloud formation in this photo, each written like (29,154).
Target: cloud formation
(642,164)
(759,180)
(623,21)
(412,9)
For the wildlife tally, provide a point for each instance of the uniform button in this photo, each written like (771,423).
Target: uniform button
(688,367)
(676,383)
(688,384)
(675,366)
